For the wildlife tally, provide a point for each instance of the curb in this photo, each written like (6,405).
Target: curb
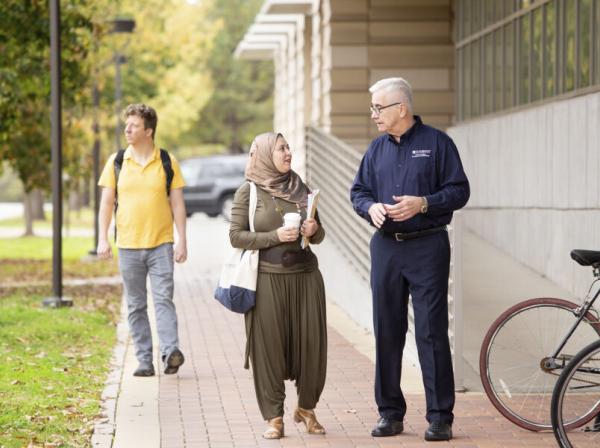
(105,427)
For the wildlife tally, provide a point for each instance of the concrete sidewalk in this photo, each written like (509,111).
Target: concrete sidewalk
(211,402)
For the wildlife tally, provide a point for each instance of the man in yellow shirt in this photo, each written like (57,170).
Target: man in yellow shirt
(145,212)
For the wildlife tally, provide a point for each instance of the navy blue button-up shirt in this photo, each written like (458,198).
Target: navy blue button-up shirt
(424,163)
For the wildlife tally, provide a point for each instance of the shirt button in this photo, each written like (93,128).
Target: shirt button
(397,186)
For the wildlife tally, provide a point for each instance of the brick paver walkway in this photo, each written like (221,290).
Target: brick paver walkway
(211,402)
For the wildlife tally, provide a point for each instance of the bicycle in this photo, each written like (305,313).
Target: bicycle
(529,345)
(577,396)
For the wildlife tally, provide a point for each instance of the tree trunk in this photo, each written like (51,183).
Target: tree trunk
(74,200)
(85,195)
(37,205)
(27,214)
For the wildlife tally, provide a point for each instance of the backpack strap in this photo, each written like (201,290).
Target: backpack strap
(117,164)
(166,163)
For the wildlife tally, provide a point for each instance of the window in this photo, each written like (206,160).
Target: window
(489,74)
(476,78)
(517,52)
(509,62)
(524,58)
(569,43)
(584,43)
(498,68)
(536,55)
(596,46)
(549,48)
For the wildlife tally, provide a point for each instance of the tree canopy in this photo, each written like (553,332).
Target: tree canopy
(179,60)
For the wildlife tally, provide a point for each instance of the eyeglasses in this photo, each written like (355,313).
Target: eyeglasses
(376,109)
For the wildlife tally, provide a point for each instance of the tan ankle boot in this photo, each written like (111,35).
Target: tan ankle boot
(308,417)
(275,429)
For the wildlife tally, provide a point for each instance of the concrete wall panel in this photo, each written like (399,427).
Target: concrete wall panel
(534,184)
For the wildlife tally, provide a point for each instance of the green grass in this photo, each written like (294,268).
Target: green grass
(40,248)
(29,259)
(71,219)
(53,364)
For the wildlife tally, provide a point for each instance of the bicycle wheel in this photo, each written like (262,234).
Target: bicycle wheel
(577,397)
(514,351)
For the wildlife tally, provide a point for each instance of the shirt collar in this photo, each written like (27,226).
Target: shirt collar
(407,136)
(127,154)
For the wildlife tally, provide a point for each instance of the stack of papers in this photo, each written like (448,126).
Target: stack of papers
(311,209)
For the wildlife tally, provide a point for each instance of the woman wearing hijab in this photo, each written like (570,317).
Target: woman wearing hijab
(286,330)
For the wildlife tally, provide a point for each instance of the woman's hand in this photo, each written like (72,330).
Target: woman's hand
(309,227)
(287,234)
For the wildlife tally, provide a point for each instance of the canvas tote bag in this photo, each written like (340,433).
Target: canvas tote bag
(237,285)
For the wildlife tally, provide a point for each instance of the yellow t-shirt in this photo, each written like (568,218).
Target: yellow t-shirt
(144,215)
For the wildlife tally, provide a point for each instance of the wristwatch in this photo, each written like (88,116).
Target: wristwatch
(424,204)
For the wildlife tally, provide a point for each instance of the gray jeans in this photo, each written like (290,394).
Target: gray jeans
(135,266)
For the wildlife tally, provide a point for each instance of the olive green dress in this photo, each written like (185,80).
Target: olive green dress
(286,330)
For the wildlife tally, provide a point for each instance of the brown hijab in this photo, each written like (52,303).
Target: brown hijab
(261,170)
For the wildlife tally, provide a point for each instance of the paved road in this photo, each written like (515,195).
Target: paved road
(10,209)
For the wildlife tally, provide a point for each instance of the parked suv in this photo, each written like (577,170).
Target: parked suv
(211,182)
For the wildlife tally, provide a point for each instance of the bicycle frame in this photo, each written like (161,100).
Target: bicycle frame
(581,313)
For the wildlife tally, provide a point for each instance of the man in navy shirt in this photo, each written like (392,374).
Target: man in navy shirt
(409,182)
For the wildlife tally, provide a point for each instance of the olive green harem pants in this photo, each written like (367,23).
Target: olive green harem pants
(287,339)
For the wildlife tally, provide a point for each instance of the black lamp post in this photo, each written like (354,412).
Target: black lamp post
(118,26)
(56,300)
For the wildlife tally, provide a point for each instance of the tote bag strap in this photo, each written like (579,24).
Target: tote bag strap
(252,205)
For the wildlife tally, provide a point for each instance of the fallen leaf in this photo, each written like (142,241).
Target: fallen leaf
(15,382)
(41,355)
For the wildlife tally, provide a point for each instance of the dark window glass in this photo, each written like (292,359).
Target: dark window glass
(509,7)
(490,12)
(524,49)
(585,39)
(476,79)
(476,15)
(466,17)
(536,56)
(569,46)
(509,65)
(467,72)
(489,74)
(597,41)
(550,49)
(499,10)
(498,69)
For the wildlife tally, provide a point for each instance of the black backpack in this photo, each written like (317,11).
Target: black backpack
(118,164)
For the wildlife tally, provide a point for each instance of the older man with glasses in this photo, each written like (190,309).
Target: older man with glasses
(408,184)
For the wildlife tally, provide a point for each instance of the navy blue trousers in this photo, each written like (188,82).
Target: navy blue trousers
(419,267)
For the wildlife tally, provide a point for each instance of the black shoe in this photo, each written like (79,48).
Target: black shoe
(438,431)
(386,427)
(173,360)
(144,369)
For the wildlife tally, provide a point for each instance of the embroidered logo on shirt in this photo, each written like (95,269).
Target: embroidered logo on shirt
(421,153)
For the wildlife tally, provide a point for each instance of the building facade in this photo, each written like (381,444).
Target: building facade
(516,83)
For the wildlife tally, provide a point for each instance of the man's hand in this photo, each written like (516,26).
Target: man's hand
(180,252)
(287,234)
(377,213)
(405,207)
(104,251)
(309,227)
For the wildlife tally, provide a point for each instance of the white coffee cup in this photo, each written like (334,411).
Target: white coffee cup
(292,220)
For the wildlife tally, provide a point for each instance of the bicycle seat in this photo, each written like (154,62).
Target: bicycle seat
(586,257)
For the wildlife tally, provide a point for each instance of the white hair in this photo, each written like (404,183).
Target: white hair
(396,85)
